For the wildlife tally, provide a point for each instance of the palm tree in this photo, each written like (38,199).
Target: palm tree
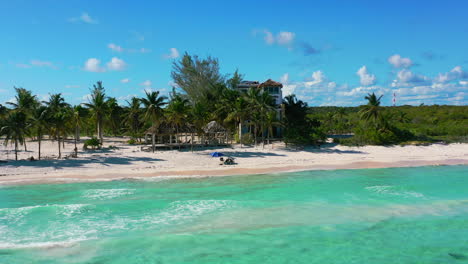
(132,118)
(41,122)
(240,112)
(77,115)
(177,112)
(25,102)
(271,121)
(15,129)
(199,115)
(99,107)
(264,105)
(371,111)
(114,115)
(58,114)
(153,104)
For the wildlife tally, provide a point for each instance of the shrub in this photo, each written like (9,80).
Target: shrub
(247,138)
(93,142)
(132,141)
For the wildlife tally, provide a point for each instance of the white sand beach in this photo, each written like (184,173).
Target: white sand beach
(128,161)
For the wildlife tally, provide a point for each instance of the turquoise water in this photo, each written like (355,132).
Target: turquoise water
(397,215)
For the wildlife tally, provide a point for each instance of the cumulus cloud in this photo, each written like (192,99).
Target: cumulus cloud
(365,77)
(317,78)
(93,65)
(116,64)
(115,47)
(85,18)
(126,80)
(269,38)
(408,78)
(288,88)
(173,54)
(399,62)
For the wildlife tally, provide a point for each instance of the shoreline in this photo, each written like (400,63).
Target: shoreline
(61,178)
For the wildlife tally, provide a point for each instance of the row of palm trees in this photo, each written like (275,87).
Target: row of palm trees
(28,117)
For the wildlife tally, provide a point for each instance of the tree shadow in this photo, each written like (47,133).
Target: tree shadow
(80,162)
(325,148)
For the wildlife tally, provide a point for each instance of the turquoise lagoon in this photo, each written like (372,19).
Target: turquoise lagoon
(395,215)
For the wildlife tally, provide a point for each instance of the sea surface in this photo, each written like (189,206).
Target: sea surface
(395,215)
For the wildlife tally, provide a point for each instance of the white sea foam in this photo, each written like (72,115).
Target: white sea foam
(50,244)
(103,194)
(390,190)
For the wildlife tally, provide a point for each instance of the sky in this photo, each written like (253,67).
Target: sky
(326,52)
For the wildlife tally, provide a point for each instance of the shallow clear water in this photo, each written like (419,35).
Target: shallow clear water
(397,215)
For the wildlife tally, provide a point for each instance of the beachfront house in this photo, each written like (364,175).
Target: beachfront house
(274,89)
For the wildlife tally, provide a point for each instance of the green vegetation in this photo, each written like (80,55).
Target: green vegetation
(203,94)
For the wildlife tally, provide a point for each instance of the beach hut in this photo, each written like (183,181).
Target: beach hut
(216,134)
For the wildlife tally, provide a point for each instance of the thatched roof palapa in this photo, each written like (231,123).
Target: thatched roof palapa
(214,127)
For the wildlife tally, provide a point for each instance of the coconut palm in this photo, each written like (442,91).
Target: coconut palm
(371,111)
(177,112)
(99,107)
(153,104)
(199,116)
(114,115)
(15,128)
(77,116)
(239,112)
(40,122)
(57,111)
(270,121)
(133,116)
(25,101)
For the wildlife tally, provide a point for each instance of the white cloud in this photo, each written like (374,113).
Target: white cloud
(93,65)
(115,47)
(285,38)
(126,80)
(146,83)
(85,18)
(399,62)
(408,78)
(317,78)
(269,39)
(287,87)
(365,77)
(116,64)
(36,63)
(331,85)
(68,86)
(464,83)
(174,54)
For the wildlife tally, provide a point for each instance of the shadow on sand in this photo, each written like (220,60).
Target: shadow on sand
(80,162)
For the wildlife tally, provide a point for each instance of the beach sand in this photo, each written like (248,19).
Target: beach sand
(128,161)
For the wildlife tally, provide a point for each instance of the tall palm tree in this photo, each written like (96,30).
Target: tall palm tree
(177,112)
(25,102)
(240,112)
(264,105)
(40,121)
(114,115)
(199,115)
(153,104)
(57,110)
(271,121)
(99,107)
(371,111)
(15,129)
(77,114)
(133,116)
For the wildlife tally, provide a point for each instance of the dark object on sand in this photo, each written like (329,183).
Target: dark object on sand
(31,158)
(228,161)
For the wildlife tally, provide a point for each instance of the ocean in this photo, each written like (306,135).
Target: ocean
(393,215)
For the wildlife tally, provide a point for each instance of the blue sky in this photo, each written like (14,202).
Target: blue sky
(326,52)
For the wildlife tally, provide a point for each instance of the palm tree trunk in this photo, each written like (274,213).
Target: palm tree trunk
(255,134)
(58,140)
(152,141)
(240,132)
(191,141)
(16,149)
(39,137)
(24,141)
